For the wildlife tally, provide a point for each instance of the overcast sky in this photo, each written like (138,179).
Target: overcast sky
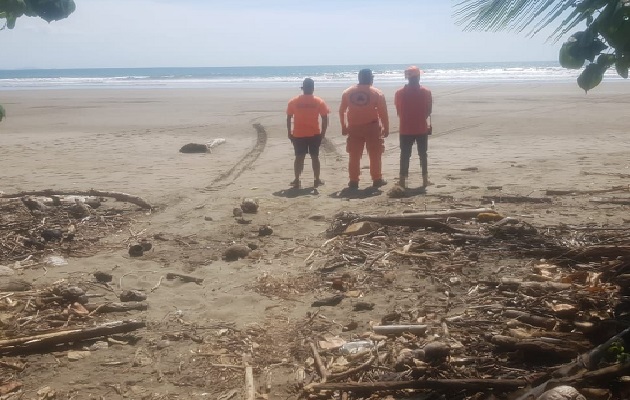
(207,33)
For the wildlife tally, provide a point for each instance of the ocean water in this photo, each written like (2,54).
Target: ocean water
(325,75)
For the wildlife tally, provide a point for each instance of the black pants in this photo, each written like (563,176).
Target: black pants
(406,145)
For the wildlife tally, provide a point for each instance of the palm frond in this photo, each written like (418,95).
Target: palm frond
(517,15)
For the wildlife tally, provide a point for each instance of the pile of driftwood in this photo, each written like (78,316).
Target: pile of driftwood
(34,225)
(548,310)
(60,318)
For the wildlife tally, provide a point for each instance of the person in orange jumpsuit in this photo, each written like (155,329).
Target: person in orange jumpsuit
(364,120)
(306,134)
(414,105)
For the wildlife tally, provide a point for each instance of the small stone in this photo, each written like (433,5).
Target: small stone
(562,393)
(209,218)
(237,212)
(235,252)
(72,293)
(361,228)
(136,250)
(77,355)
(436,351)
(317,217)
(132,295)
(249,206)
(397,192)
(103,277)
(252,245)
(101,345)
(162,344)
(265,230)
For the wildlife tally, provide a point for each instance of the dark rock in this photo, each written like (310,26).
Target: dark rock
(194,148)
(235,252)
(363,306)
(436,352)
(71,293)
(265,230)
(132,295)
(136,250)
(252,246)
(103,277)
(249,206)
(237,212)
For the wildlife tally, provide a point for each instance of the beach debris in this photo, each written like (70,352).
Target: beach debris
(264,230)
(562,393)
(363,306)
(10,387)
(317,217)
(397,192)
(208,218)
(361,228)
(249,206)
(55,261)
(37,205)
(136,250)
(418,330)
(132,295)
(237,212)
(103,277)
(236,251)
(15,285)
(78,355)
(146,245)
(184,278)
(328,301)
(52,235)
(191,148)
(79,210)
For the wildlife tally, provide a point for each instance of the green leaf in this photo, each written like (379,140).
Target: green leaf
(591,76)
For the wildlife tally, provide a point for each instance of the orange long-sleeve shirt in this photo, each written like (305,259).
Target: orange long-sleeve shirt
(362,105)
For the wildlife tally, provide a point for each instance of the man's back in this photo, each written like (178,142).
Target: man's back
(414,106)
(306,110)
(364,104)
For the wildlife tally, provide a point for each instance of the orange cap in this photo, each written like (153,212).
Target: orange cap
(412,72)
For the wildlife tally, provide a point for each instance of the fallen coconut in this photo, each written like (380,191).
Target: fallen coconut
(236,251)
(249,206)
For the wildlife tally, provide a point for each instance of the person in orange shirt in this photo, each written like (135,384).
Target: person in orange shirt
(306,135)
(414,104)
(364,120)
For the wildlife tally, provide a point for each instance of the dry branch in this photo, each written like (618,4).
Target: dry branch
(46,341)
(116,307)
(445,385)
(119,196)
(516,199)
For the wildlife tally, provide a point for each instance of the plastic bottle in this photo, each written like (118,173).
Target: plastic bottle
(356,347)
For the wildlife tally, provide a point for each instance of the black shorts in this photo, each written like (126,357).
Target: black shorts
(304,145)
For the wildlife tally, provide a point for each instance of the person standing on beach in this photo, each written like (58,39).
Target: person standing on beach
(414,104)
(364,120)
(306,135)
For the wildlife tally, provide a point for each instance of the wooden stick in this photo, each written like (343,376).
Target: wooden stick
(116,307)
(575,191)
(534,320)
(466,213)
(399,329)
(250,389)
(612,200)
(516,199)
(47,341)
(352,371)
(318,363)
(92,192)
(448,385)
(186,278)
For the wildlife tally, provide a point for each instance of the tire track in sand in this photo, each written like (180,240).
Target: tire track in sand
(228,177)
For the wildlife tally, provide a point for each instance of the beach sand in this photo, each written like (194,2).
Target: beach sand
(523,138)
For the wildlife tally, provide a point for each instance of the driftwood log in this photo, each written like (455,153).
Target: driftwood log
(581,369)
(516,199)
(612,200)
(542,349)
(446,385)
(47,341)
(116,307)
(534,320)
(464,214)
(140,202)
(552,192)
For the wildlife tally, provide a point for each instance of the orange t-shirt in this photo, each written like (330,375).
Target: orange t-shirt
(414,105)
(362,105)
(306,110)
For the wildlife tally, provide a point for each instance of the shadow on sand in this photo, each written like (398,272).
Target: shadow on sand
(411,192)
(349,193)
(292,193)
